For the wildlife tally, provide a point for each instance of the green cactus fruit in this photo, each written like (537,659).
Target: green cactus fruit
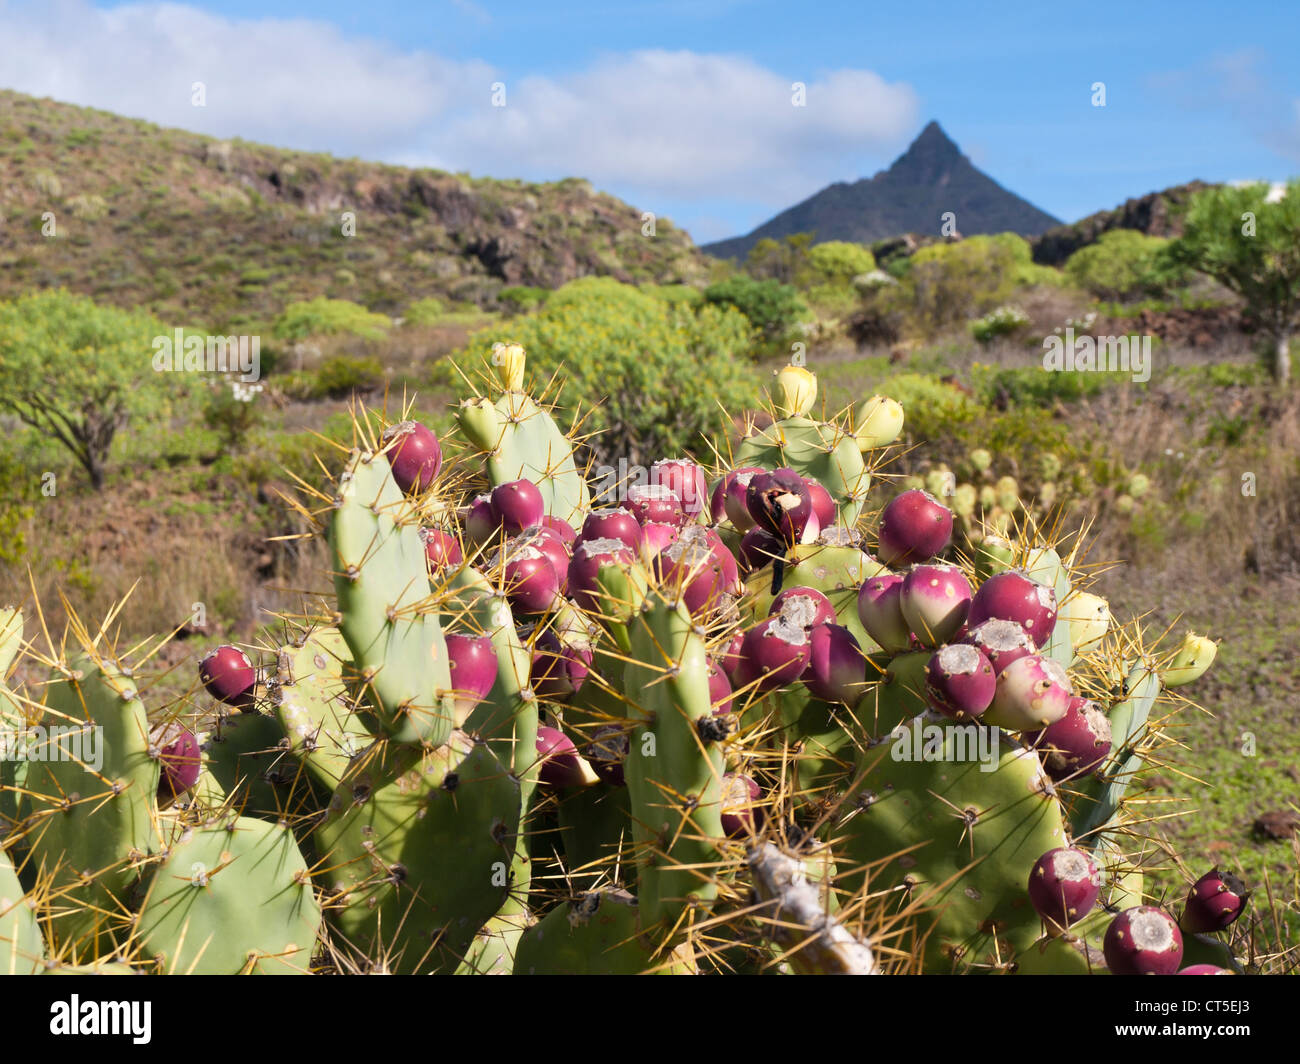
(971,835)
(988,497)
(824,451)
(980,459)
(1047,494)
(92,821)
(1044,565)
(1190,663)
(1049,466)
(993,554)
(878,421)
(381,579)
(673,769)
(1125,504)
(231,898)
(1089,619)
(419,865)
(1139,484)
(964,500)
(941,482)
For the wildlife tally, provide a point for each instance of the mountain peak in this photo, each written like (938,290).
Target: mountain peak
(928,158)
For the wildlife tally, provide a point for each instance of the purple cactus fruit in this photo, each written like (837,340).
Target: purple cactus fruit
(1032,693)
(559,668)
(684,479)
(695,563)
(561,528)
(607,753)
(1002,642)
(806,605)
(959,681)
(1204,969)
(880,610)
(181,758)
(739,816)
(531,583)
(1143,941)
(779,501)
(549,543)
(518,505)
(719,691)
(934,600)
(482,523)
(612,524)
(1064,885)
(654,502)
(822,503)
(657,538)
(415,457)
(775,652)
(728,658)
(229,676)
(1013,596)
(473,661)
(1075,745)
(442,549)
(735,500)
(914,527)
(759,548)
(588,559)
(562,765)
(1214,902)
(837,668)
(718,499)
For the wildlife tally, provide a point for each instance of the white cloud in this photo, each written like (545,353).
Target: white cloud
(649,124)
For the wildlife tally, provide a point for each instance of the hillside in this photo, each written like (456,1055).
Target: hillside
(220,232)
(928,179)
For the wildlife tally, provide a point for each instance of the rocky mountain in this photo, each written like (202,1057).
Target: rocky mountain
(218,232)
(929,179)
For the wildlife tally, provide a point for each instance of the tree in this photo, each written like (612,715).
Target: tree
(1248,239)
(76,371)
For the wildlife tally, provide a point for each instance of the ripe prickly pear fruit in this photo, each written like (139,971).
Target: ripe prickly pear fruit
(549,543)
(735,497)
(959,681)
(728,657)
(518,505)
(1002,642)
(935,600)
(558,668)
(442,549)
(612,524)
(1194,657)
(1143,940)
(914,527)
(837,668)
(562,765)
(482,523)
(654,502)
(531,583)
(656,538)
(1204,969)
(803,605)
(1030,695)
(561,528)
(1075,745)
(415,457)
(775,652)
(822,503)
(684,479)
(697,564)
(879,422)
(1214,902)
(588,559)
(1064,885)
(881,613)
(181,758)
(607,753)
(229,676)
(759,548)
(719,691)
(779,501)
(739,793)
(1014,596)
(473,661)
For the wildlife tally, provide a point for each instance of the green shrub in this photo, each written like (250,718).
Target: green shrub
(520,299)
(945,285)
(1004,321)
(684,294)
(1122,264)
(341,375)
(329,317)
(773,308)
(424,311)
(657,371)
(232,410)
(840,261)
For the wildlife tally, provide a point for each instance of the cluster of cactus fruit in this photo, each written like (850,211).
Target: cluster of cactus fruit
(702,729)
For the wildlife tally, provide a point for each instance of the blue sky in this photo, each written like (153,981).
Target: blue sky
(684,108)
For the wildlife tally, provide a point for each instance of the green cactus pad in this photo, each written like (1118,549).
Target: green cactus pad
(22,949)
(595,934)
